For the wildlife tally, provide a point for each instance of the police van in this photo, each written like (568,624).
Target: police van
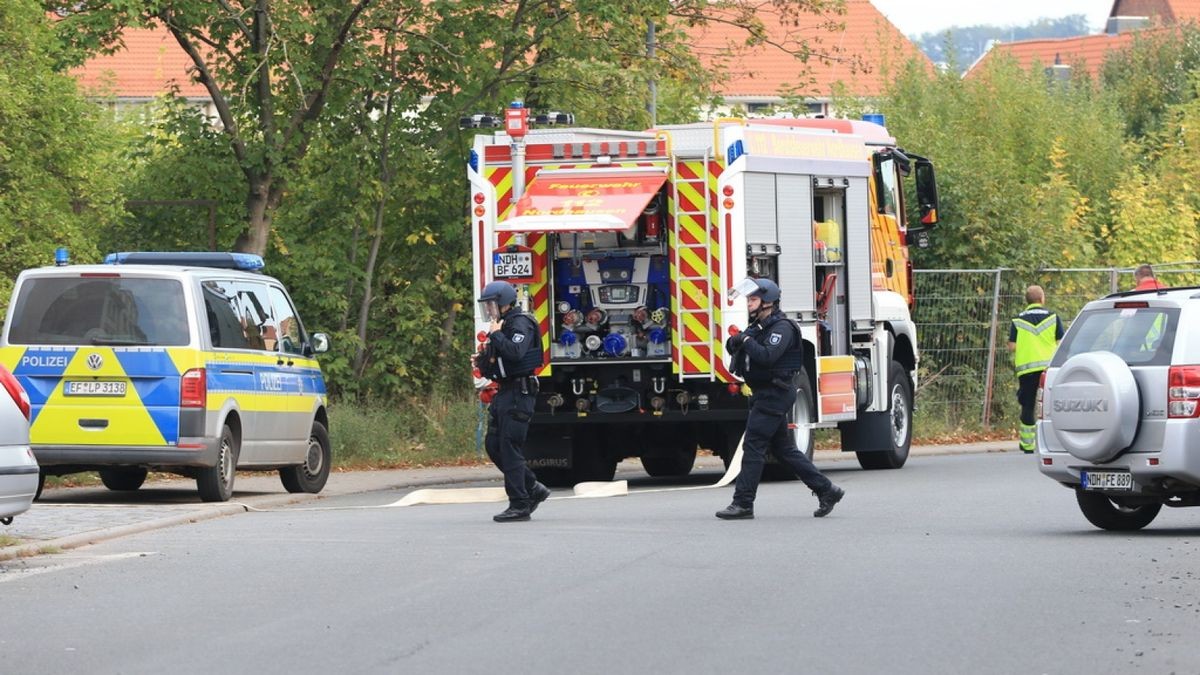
(191,363)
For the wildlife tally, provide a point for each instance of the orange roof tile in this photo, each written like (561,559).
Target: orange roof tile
(1086,52)
(149,63)
(861,42)
(1169,11)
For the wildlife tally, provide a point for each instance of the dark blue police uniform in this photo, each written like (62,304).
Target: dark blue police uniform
(513,355)
(767,358)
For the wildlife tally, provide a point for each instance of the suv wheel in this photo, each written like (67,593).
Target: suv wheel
(1109,513)
(311,475)
(215,483)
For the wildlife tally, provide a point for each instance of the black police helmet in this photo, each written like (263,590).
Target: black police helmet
(767,290)
(501,292)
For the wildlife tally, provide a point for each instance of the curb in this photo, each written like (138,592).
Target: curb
(227,509)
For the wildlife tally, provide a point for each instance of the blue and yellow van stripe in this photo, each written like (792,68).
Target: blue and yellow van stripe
(149,412)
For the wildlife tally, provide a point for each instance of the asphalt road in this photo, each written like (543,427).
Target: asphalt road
(972,563)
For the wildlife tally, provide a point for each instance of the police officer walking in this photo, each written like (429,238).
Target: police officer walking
(1032,337)
(512,355)
(767,356)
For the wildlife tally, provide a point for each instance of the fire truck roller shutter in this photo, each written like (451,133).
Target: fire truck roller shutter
(795,228)
(858,254)
(761,218)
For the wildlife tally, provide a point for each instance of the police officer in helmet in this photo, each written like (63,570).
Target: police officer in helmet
(767,356)
(512,355)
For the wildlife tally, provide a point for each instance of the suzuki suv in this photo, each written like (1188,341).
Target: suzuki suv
(192,363)
(1119,407)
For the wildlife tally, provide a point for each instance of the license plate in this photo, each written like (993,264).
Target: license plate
(93,388)
(514,265)
(1106,480)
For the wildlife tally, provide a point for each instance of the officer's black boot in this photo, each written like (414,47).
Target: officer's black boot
(735,512)
(517,510)
(826,501)
(537,495)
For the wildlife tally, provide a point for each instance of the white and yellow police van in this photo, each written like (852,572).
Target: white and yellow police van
(192,363)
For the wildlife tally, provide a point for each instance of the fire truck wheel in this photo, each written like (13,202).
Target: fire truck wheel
(723,439)
(882,439)
(798,420)
(678,463)
(589,459)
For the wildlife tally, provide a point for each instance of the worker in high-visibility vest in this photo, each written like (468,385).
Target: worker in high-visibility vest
(1145,279)
(1033,336)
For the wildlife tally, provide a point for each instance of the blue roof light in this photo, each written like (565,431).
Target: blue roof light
(246,262)
(874,118)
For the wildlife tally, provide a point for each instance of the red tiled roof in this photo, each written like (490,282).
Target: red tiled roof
(146,66)
(1169,11)
(860,45)
(1086,52)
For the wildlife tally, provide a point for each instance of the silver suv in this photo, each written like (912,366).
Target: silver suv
(1119,407)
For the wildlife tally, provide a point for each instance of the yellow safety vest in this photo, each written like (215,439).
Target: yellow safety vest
(1035,342)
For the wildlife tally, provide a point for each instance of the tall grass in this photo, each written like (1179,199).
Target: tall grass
(419,432)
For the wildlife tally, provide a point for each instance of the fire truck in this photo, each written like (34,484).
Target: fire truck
(623,246)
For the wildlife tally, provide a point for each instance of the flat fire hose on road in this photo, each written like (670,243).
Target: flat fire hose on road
(589,490)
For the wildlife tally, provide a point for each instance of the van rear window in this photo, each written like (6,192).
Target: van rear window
(99,311)
(1142,336)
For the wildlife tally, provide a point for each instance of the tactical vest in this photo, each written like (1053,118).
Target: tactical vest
(1035,342)
(500,368)
(791,361)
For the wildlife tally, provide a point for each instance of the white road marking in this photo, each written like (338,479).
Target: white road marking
(59,565)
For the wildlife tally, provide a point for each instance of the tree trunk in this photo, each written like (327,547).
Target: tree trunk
(365,308)
(259,208)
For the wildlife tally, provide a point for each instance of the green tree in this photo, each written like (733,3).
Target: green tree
(56,152)
(1019,160)
(1152,75)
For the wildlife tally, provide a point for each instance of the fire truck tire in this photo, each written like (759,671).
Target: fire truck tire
(723,440)
(679,463)
(589,459)
(799,418)
(882,439)
(542,442)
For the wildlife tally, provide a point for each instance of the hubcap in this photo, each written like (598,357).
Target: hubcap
(226,462)
(316,457)
(899,416)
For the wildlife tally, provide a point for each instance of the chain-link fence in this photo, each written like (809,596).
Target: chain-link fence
(966,379)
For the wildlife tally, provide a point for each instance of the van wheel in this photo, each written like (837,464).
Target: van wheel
(1110,514)
(41,484)
(125,479)
(311,475)
(215,483)
(882,439)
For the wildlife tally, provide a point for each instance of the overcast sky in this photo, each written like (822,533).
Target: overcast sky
(914,17)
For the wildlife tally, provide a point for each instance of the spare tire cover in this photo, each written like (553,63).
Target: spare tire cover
(1094,406)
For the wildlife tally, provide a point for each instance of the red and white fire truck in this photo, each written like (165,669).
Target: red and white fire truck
(623,246)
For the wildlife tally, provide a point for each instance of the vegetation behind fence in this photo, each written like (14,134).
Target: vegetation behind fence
(966,378)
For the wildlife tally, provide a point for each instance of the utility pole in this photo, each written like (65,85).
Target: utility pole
(652,106)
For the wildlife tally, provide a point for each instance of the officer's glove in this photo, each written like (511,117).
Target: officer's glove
(753,331)
(734,343)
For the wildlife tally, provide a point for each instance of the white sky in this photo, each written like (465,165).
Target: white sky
(914,17)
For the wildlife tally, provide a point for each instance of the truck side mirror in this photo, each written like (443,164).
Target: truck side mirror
(927,194)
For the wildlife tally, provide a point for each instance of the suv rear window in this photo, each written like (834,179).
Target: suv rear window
(1142,336)
(99,311)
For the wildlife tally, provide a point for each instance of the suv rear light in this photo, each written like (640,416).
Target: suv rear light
(1183,391)
(15,390)
(193,390)
(1041,386)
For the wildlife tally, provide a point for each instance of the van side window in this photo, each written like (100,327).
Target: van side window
(258,325)
(239,315)
(224,322)
(291,333)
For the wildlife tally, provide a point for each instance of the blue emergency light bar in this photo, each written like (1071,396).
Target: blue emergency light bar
(246,262)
